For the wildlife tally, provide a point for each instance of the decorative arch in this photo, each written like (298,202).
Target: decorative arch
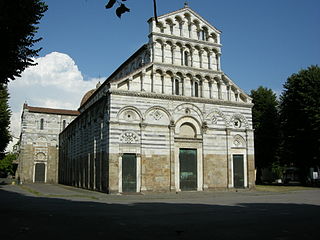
(190,121)
(213,117)
(41,156)
(239,121)
(157,113)
(187,109)
(128,110)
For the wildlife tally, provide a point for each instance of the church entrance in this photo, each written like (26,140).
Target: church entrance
(129,172)
(238,171)
(188,169)
(40,171)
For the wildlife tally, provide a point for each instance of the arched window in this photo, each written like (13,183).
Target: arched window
(186,58)
(196,89)
(180,28)
(176,86)
(63,124)
(41,123)
(203,35)
(171,28)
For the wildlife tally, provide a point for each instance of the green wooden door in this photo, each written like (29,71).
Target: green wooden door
(188,169)
(129,173)
(238,171)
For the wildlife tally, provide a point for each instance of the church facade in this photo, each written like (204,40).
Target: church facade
(168,119)
(39,141)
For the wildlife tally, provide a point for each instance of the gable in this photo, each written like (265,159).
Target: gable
(190,17)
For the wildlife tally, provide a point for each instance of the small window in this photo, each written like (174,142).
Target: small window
(186,57)
(177,87)
(196,89)
(41,123)
(63,124)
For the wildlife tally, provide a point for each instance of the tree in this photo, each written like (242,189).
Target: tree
(6,164)
(123,8)
(266,125)
(5,115)
(300,120)
(18,20)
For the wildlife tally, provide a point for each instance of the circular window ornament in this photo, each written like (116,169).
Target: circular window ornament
(236,123)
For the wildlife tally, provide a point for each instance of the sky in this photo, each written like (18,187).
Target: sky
(263,43)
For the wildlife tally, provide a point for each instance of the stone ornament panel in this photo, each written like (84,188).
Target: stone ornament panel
(157,115)
(238,142)
(129,137)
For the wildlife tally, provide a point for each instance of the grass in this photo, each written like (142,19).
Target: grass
(275,188)
(34,192)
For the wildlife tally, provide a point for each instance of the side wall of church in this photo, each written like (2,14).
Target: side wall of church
(83,153)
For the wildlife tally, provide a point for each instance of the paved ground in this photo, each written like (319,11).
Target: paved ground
(57,211)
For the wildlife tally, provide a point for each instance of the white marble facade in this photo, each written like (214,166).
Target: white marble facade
(169,98)
(39,141)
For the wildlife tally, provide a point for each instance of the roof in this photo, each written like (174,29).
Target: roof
(51,110)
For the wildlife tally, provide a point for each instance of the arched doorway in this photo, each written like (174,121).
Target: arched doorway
(188,155)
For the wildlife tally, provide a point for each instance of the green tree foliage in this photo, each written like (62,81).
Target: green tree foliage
(122,8)
(266,124)
(18,20)
(6,164)
(5,115)
(300,119)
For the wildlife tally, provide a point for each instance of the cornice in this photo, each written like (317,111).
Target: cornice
(187,68)
(178,98)
(185,39)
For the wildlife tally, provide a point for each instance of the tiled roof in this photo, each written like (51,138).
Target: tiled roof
(51,110)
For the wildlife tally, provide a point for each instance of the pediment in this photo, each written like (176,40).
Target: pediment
(186,14)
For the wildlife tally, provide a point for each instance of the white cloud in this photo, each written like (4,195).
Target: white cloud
(55,82)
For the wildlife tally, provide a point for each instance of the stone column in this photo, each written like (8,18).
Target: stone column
(142,76)
(163,46)
(229,163)
(210,59)
(153,44)
(172,157)
(182,55)
(218,61)
(191,56)
(173,53)
(219,83)
(200,57)
(139,175)
(120,172)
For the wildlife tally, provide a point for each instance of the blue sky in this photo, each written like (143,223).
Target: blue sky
(264,42)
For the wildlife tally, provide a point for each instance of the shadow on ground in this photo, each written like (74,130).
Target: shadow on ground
(26,217)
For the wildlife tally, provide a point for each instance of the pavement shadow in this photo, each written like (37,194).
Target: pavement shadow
(25,217)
